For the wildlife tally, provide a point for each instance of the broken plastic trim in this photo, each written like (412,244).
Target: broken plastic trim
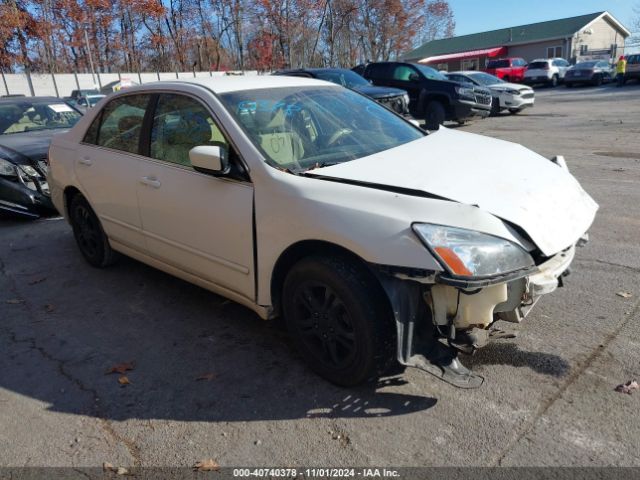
(418,344)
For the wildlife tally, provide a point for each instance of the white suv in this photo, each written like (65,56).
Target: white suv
(374,239)
(548,71)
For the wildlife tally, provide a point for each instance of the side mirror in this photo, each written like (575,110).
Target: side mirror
(414,77)
(209,159)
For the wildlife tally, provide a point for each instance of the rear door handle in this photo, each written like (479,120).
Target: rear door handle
(85,161)
(150,181)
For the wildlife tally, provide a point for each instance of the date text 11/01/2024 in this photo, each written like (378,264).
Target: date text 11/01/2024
(316,472)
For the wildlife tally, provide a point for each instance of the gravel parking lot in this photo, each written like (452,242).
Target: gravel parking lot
(211,380)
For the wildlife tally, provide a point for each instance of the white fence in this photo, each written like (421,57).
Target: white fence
(61,84)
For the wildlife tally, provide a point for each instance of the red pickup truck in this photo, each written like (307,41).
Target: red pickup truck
(508,69)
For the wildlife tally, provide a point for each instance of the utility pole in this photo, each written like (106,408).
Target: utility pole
(86,41)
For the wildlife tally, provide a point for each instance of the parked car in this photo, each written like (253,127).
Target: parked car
(85,102)
(116,86)
(393,98)
(27,125)
(506,96)
(594,72)
(76,94)
(548,71)
(633,67)
(507,69)
(374,239)
(431,96)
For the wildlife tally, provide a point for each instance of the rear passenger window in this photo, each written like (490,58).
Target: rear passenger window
(122,122)
(377,70)
(179,124)
(91,136)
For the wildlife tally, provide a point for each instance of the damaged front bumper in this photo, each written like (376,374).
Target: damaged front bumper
(25,196)
(437,317)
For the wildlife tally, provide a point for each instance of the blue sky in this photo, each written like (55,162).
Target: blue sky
(479,16)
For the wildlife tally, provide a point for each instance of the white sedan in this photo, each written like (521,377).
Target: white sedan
(375,240)
(506,96)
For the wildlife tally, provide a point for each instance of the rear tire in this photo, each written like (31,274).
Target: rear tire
(339,319)
(434,115)
(90,237)
(597,81)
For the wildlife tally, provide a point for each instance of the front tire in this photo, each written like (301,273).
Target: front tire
(339,319)
(495,107)
(554,81)
(90,237)
(434,115)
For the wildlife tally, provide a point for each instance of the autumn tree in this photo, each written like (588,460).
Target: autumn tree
(172,35)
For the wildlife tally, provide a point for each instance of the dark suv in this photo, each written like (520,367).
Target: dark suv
(431,96)
(633,67)
(393,98)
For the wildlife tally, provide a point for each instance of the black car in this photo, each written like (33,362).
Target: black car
(393,98)
(432,96)
(594,72)
(26,127)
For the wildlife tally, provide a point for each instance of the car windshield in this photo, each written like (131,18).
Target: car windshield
(302,128)
(585,65)
(346,78)
(430,73)
(26,115)
(534,65)
(498,64)
(485,78)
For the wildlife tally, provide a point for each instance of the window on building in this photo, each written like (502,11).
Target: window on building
(470,64)
(553,52)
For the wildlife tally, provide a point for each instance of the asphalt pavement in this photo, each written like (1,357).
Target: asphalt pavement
(209,379)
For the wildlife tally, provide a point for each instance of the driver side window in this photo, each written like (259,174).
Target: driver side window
(179,124)
(403,73)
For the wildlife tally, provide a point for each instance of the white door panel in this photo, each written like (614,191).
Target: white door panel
(109,179)
(198,223)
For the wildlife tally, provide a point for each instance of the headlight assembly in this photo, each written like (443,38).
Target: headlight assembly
(467,253)
(465,92)
(7,168)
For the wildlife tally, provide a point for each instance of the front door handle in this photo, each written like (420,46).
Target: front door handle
(150,181)
(85,161)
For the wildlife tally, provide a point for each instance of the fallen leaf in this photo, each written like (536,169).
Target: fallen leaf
(37,280)
(624,294)
(15,301)
(107,467)
(208,465)
(121,368)
(628,387)
(207,376)
(122,471)
(49,308)
(123,380)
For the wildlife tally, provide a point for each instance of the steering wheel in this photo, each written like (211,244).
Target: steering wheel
(338,135)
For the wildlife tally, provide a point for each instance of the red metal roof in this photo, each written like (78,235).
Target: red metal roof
(490,52)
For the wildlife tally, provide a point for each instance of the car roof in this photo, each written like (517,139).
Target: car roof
(238,83)
(469,72)
(31,99)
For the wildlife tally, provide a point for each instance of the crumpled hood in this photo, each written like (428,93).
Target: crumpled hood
(502,178)
(33,145)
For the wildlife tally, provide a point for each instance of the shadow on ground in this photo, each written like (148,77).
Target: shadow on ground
(196,356)
(509,354)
